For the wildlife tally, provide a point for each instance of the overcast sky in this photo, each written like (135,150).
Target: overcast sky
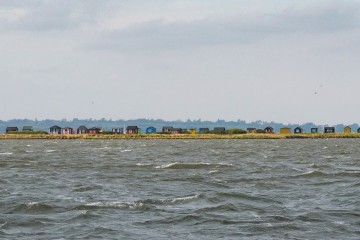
(275,60)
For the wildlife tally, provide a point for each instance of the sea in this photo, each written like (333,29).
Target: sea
(180,189)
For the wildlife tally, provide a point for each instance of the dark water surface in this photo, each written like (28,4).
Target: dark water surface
(176,189)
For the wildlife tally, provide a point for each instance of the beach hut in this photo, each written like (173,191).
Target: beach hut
(117,130)
(329,130)
(192,130)
(132,130)
(11,129)
(150,130)
(285,130)
(82,130)
(251,130)
(66,130)
(298,130)
(94,130)
(358,130)
(203,130)
(347,129)
(27,129)
(314,130)
(176,131)
(167,129)
(219,130)
(55,130)
(268,130)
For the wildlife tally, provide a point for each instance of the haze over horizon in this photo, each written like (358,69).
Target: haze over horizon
(280,60)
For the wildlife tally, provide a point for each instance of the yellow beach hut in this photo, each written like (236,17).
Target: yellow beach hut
(347,129)
(192,130)
(285,130)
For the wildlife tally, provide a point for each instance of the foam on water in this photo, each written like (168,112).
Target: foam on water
(169,189)
(6,153)
(50,151)
(177,165)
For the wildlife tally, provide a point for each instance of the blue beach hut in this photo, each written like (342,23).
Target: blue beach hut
(150,130)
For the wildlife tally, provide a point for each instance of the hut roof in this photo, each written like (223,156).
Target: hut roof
(94,128)
(55,127)
(82,127)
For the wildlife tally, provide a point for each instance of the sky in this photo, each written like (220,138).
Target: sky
(276,60)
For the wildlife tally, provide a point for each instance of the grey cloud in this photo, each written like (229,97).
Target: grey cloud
(42,15)
(161,35)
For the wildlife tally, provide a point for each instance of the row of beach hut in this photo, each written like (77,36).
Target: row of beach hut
(171,130)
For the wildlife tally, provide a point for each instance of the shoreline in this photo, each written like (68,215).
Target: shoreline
(179,136)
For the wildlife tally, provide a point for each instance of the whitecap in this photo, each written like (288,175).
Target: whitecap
(308,172)
(31,204)
(255,215)
(6,153)
(212,150)
(185,199)
(167,165)
(50,151)
(126,150)
(3,224)
(101,148)
(143,164)
(115,205)
(213,171)
(193,165)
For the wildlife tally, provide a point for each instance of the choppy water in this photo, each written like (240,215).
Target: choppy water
(175,189)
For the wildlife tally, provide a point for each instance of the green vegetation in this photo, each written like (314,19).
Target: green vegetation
(235,131)
(36,135)
(29,132)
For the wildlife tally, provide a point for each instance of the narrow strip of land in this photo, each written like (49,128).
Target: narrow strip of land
(180,136)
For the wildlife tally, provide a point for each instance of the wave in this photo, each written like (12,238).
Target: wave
(85,188)
(223,208)
(33,207)
(50,151)
(137,205)
(245,196)
(144,164)
(196,219)
(3,224)
(2,164)
(178,219)
(314,173)
(199,165)
(116,205)
(6,153)
(126,150)
(39,222)
(84,214)
(179,200)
